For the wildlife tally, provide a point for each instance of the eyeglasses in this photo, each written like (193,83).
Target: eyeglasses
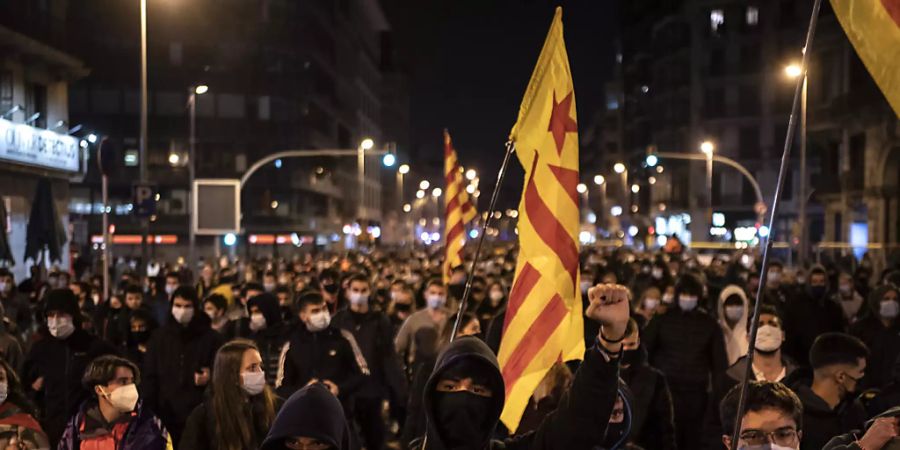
(783,436)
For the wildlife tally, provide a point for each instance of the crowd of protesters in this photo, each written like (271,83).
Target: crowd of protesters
(355,350)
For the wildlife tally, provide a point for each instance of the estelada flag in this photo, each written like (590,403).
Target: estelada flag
(459,210)
(543,317)
(873,27)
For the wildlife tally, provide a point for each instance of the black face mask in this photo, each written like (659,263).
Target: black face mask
(632,358)
(817,291)
(331,288)
(139,337)
(461,418)
(614,433)
(402,307)
(456,290)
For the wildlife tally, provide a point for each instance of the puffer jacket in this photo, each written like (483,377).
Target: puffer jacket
(142,431)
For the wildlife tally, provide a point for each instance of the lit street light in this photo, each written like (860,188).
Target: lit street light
(581,188)
(367,144)
(407,208)
(707,147)
(619,168)
(420,194)
(92,138)
(424,184)
(174,159)
(389,160)
(793,71)
(598,180)
(635,188)
(651,160)
(471,174)
(403,169)
(193,92)
(436,192)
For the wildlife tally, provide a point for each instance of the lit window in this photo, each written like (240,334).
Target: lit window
(752,15)
(716,19)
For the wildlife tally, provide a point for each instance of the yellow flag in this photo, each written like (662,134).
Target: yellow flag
(543,317)
(873,27)
(458,209)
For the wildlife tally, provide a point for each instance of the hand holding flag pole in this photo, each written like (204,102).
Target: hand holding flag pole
(782,173)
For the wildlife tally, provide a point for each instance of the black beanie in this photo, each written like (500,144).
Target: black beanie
(63,300)
(268,306)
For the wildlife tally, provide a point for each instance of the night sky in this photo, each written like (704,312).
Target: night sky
(469,62)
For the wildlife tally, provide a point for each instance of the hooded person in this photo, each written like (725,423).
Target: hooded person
(268,331)
(880,331)
(55,364)
(733,308)
(178,361)
(310,416)
(464,396)
(880,434)
(808,314)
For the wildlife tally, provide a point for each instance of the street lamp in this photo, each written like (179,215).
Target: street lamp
(365,144)
(436,192)
(193,92)
(389,160)
(793,71)
(581,188)
(420,194)
(424,184)
(403,169)
(619,168)
(471,174)
(707,147)
(598,180)
(635,188)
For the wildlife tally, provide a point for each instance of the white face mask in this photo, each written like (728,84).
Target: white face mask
(318,322)
(668,298)
(435,301)
(774,277)
(60,327)
(170,289)
(657,273)
(889,309)
(496,295)
(687,303)
(4,392)
(124,399)
(734,313)
(4,287)
(651,303)
(183,315)
(257,321)
(253,383)
(769,338)
(269,287)
(358,298)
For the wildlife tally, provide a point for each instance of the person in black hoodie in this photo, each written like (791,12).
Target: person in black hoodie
(653,421)
(56,362)
(311,418)
(880,331)
(686,344)
(268,331)
(372,331)
(178,361)
(809,313)
(465,394)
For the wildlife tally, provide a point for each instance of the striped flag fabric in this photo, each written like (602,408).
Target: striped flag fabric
(459,210)
(873,27)
(544,322)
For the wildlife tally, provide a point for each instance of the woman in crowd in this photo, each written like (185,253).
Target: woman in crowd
(240,407)
(18,427)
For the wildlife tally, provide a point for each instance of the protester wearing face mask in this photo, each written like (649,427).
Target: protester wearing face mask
(401,306)
(809,314)
(114,416)
(15,304)
(493,303)
(120,324)
(830,406)
(776,292)
(178,361)
(774,418)
(54,365)
(686,344)
(652,421)
(329,289)
(286,304)
(239,409)
(465,394)
(769,364)
(733,312)
(648,305)
(319,352)
(268,332)
(434,315)
(215,307)
(18,426)
(372,331)
(851,302)
(880,331)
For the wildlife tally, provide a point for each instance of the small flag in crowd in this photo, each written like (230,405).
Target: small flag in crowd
(873,27)
(543,322)
(459,209)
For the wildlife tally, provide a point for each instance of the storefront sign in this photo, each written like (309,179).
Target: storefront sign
(37,147)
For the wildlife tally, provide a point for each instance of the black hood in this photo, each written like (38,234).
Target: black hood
(268,306)
(310,412)
(470,350)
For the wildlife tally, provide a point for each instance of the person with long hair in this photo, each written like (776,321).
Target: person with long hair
(239,408)
(18,427)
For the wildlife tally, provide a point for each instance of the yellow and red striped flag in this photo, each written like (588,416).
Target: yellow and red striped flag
(459,210)
(543,317)
(873,27)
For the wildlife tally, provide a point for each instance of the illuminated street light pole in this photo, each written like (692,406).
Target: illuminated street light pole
(193,92)
(708,148)
(793,71)
(143,130)
(620,169)
(366,144)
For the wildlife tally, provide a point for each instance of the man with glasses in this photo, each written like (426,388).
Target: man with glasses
(830,407)
(773,417)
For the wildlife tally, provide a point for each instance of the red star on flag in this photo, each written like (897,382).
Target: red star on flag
(560,121)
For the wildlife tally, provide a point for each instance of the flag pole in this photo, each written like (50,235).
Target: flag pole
(782,173)
(510,149)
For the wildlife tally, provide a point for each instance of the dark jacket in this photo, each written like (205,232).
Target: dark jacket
(653,419)
(61,363)
(174,355)
(144,430)
(687,347)
(271,339)
(805,318)
(200,430)
(17,310)
(373,333)
(821,423)
(119,325)
(311,412)
(330,354)
(849,441)
(578,423)
(883,342)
